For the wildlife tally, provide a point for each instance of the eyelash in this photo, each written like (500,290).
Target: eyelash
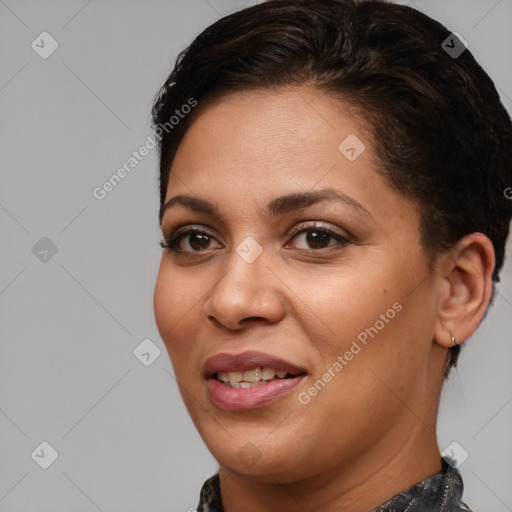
(172,242)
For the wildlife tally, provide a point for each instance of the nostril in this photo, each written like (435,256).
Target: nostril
(225,324)
(252,318)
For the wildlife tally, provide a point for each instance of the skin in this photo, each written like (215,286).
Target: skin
(370,432)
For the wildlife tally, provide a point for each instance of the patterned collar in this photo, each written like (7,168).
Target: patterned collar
(441,492)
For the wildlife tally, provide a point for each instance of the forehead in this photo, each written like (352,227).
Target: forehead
(259,144)
(302,122)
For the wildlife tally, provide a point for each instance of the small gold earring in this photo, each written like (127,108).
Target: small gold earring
(453,339)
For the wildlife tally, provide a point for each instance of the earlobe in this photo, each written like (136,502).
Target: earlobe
(446,338)
(468,272)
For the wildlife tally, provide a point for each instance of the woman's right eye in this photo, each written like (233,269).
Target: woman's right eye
(188,241)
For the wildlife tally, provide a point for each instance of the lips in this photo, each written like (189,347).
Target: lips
(237,396)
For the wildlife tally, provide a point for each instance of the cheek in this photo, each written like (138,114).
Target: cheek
(370,318)
(173,308)
(335,311)
(164,305)
(384,348)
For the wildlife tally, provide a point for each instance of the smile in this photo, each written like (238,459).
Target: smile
(249,380)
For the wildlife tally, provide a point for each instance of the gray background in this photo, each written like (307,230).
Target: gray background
(70,324)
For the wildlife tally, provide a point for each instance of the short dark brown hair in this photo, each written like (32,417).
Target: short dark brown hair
(440,131)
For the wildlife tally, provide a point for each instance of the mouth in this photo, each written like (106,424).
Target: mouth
(249,380)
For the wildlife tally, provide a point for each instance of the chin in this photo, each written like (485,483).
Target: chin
(259,459)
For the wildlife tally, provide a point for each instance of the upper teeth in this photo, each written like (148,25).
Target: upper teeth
(255,375)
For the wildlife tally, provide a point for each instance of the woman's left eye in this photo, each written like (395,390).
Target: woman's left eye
(314,238)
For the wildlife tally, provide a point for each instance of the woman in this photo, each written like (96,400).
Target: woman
(332,178)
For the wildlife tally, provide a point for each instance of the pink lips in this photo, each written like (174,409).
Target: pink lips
(229,398)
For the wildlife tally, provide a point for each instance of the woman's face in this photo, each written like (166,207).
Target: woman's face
(306,262)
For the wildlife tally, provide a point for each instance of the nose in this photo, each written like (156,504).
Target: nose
(247,293)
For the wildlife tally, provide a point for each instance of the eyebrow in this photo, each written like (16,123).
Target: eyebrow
(278,206)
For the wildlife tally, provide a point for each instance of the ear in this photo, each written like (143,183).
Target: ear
(466,272)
